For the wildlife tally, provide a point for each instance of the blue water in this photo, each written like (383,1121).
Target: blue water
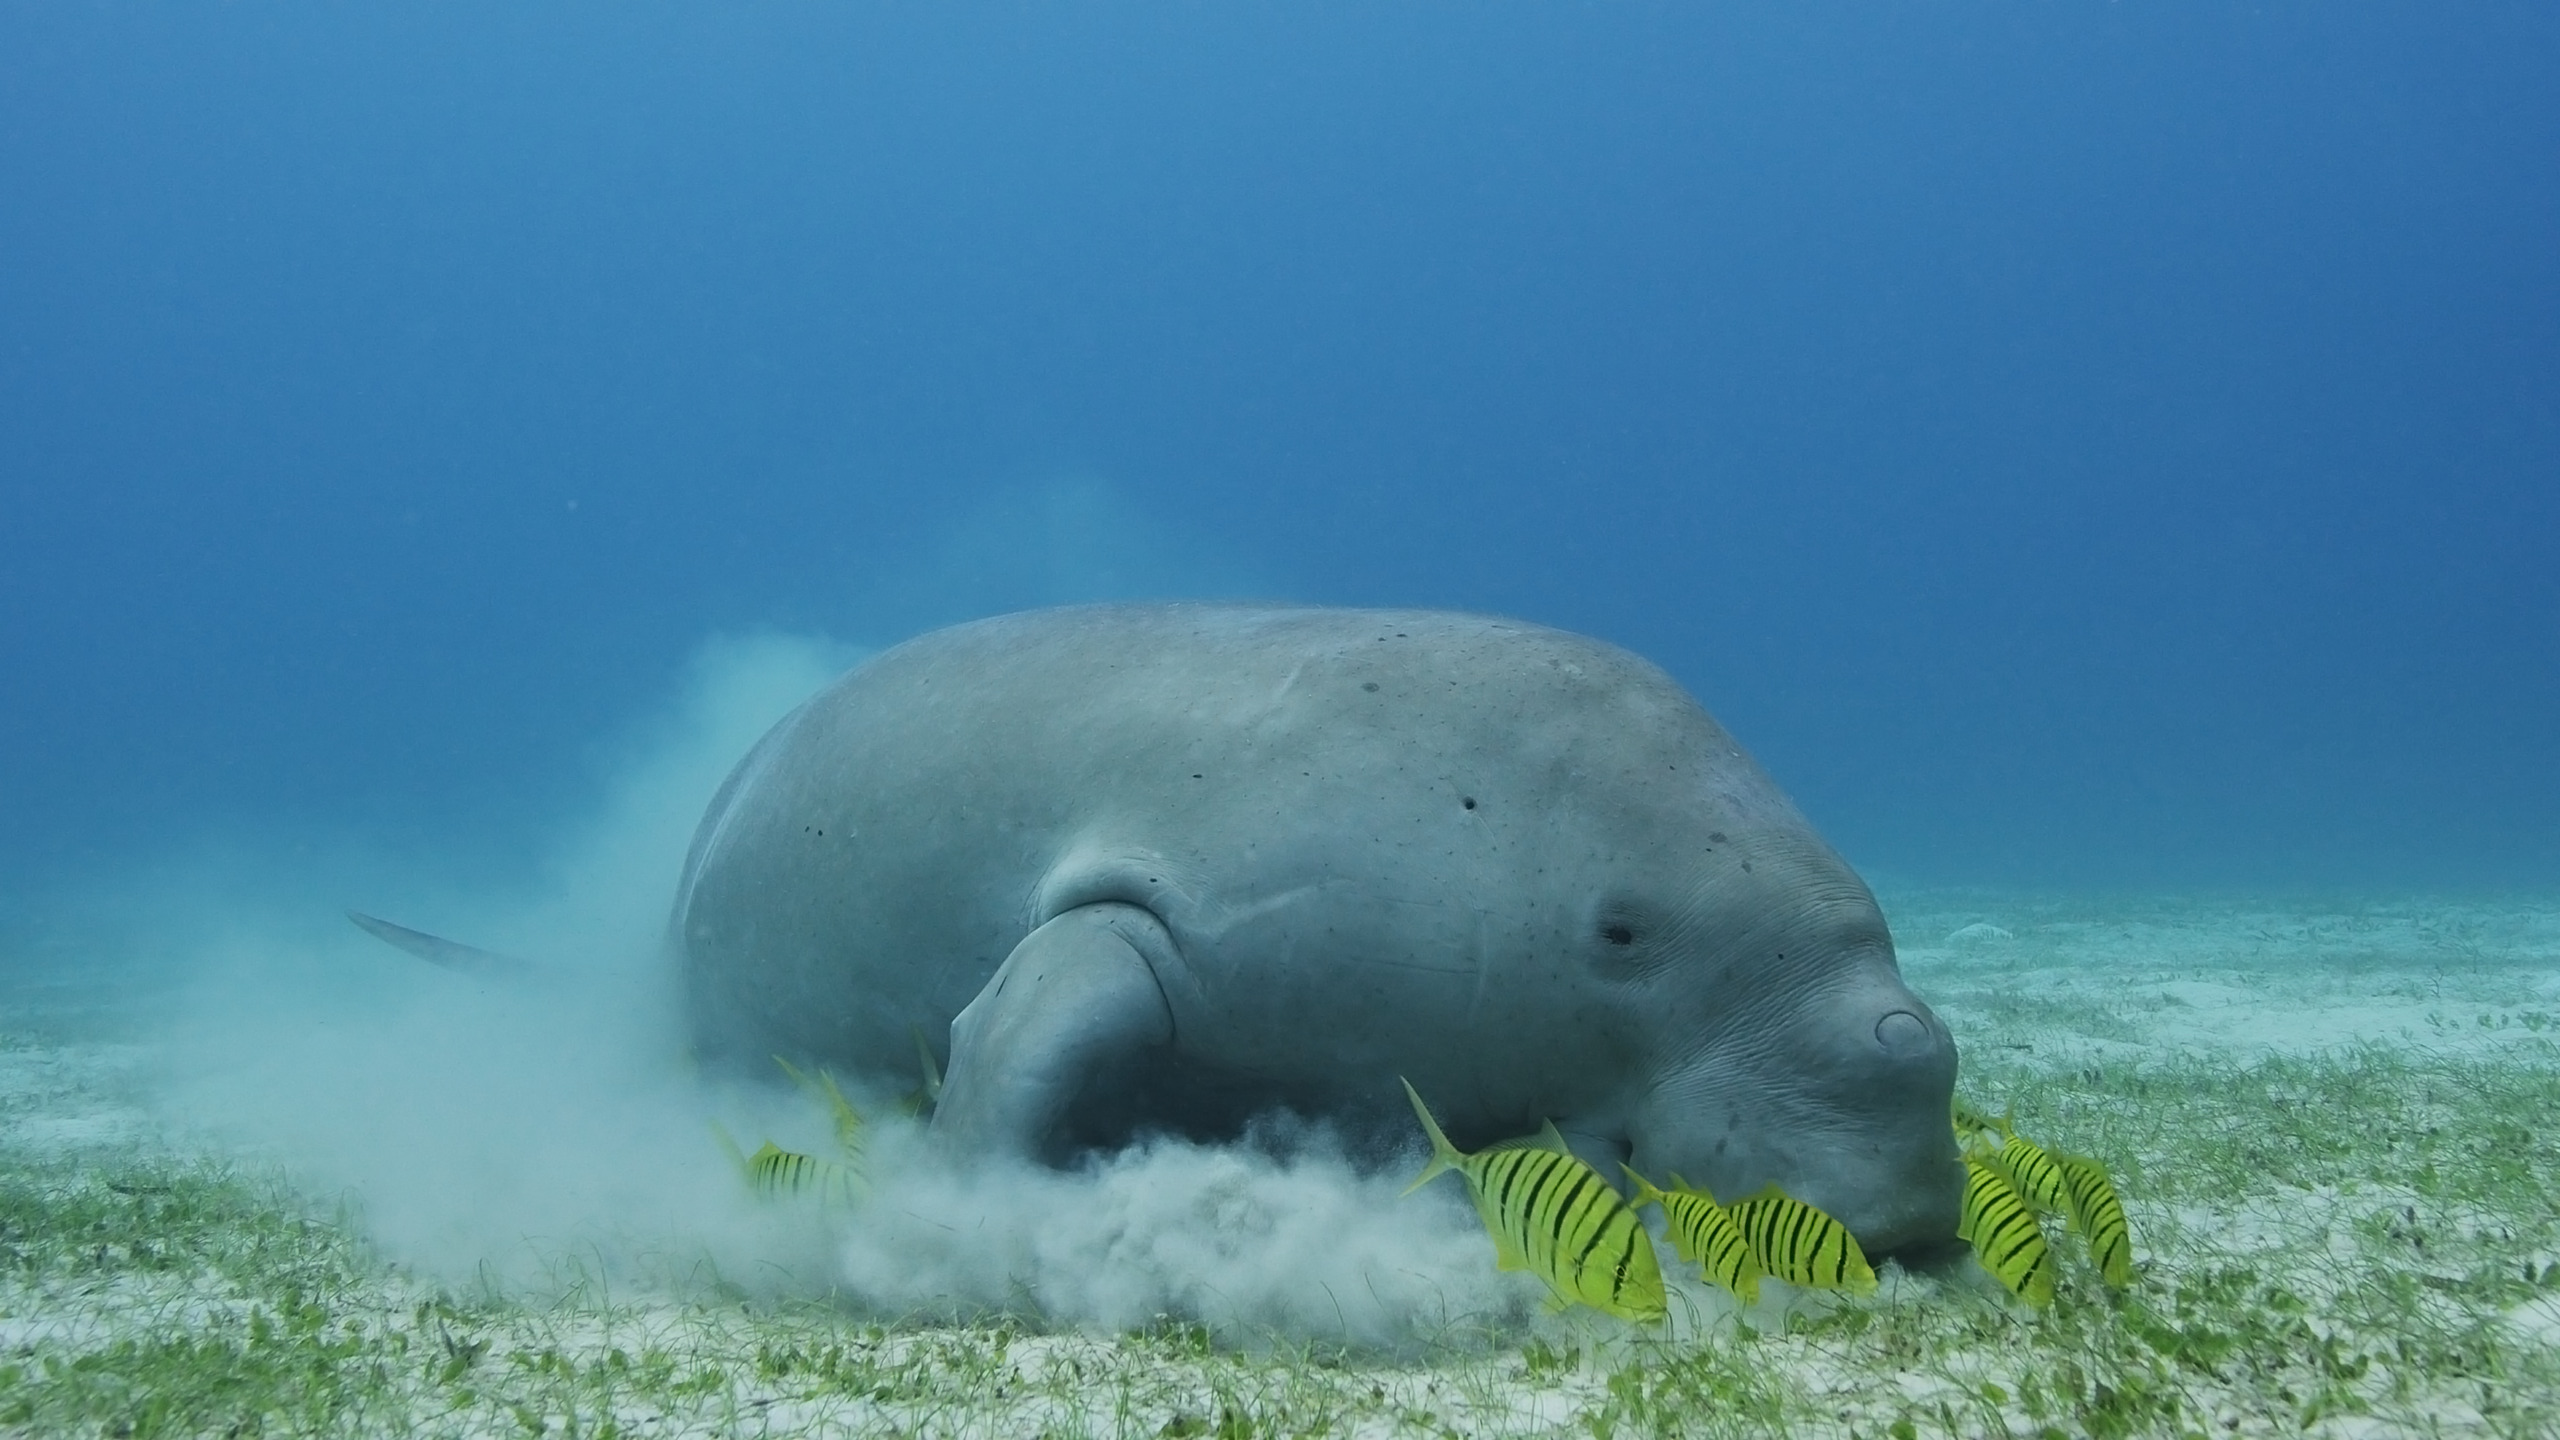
(2071,444)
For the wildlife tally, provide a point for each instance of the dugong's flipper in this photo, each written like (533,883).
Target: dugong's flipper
(436,950)
(1076,1004)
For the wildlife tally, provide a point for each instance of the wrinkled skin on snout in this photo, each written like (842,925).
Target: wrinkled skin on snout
(1834,1087)
(1138,868)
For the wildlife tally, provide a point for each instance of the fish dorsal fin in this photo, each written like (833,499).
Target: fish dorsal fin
(1546,1139)
(1683,1187)
(1769,1191)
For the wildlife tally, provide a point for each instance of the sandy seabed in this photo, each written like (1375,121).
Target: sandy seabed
(2331,1119)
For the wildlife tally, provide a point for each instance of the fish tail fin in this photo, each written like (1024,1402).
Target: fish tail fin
(2075,1207)
(924,1061)
(821,1086)
(729,1146)
(1645,1191)
(1444,1156)
(848,1121)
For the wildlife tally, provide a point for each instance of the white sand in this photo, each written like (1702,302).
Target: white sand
(2141,979)
(2029,984)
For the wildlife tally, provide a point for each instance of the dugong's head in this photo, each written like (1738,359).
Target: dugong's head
(1789,1051)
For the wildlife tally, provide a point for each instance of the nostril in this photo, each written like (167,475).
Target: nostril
(1902,1033)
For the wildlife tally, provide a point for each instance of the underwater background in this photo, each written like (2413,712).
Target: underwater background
(2073,445)
(2103,459)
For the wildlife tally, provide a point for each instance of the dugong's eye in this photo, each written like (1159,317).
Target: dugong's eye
(1618,933)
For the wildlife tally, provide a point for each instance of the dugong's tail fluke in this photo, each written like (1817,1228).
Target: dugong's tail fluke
(436,950)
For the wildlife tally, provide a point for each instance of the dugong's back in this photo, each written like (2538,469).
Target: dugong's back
(1411,782)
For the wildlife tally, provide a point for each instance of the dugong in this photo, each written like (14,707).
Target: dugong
(1163,867)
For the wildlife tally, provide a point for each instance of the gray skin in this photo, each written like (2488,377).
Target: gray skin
(1166,867)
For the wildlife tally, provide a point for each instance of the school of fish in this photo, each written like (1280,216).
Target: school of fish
(1554,1216)
(2009,1182)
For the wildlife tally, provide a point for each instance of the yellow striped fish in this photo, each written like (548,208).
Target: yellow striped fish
(2098,1216)
(1703,1233)
(774,1171)
(2003,1231)
(1799,1244)
(1554,1217)
(1970,1121)
(2032,1170)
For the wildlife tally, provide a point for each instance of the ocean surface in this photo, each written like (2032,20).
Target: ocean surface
(2095,446)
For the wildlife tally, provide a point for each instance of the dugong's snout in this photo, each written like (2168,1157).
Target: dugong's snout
(1887,1165)
(1848,1111)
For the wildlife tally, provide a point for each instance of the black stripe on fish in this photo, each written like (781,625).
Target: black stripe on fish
(1582,1217)
(1626,1258)
(1548,1181)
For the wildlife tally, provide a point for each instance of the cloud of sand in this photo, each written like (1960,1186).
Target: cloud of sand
(1279,1237)
(551,1136)
(549,1131)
